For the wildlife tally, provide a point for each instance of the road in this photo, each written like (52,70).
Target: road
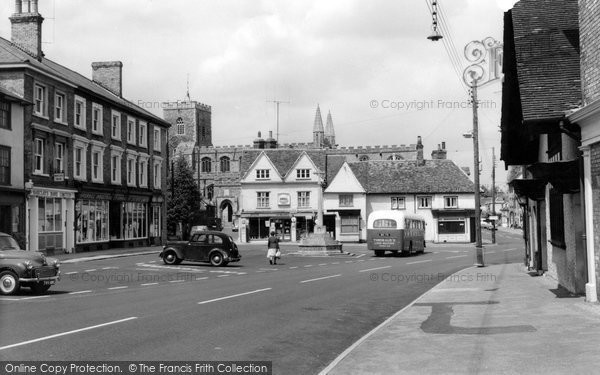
(300,314)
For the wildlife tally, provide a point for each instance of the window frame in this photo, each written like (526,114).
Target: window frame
(157,170)
(99,178)
(179,126)
(304,199)
(395,203)
(131,131)
(43,101)
(5,114)
(131,173)
(143,134)
(115,129)
(38,155)
(97,124)
(157,140)
(225,164)
(82,175)
(59,162)
(451,197)
(63,118)
(5,170)
(82,116)
(429,200)
(346,200)
(263,174)
(263,199)
(303,174)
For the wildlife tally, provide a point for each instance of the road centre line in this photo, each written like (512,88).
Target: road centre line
(514,248)
(322,264)
(233,296)
(320,278)
(292,268)
(361,255)
(457,256)
(147,284)
(66,333)
(36,297)
(420,261)
(81,292)
(117,287)
(70,273)
(180,281)
(91,270)
(373,269)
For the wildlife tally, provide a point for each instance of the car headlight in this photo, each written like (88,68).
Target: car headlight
(56,263)
(28,265)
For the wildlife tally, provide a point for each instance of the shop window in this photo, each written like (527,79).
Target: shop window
(349,224)
(451,227)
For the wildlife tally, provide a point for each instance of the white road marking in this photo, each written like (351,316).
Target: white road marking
(320,278)
(373,269)
(223,275)
(308,265)
(292,268)
(110,268)
(233,296)
(70,273)
(335,263)
(36,297)
(322,264)
(92,270)
(349,261)
(66,333)
(117,287)
(457,256)
(510,249)
(81,292)
(420,261)
(147,284)
(180,281)
(361,255)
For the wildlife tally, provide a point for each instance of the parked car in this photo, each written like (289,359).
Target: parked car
(25,268)
(486,225)
(214,247)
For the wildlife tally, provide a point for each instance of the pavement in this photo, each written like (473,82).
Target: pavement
(490,320)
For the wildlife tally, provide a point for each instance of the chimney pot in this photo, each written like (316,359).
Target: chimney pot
(443,145)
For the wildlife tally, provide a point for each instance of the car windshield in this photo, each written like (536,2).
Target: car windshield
(8,243)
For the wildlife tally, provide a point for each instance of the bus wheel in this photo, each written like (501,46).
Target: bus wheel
(379,253)
(395,253)
(409,251)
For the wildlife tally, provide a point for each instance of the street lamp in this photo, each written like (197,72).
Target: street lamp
(485,56)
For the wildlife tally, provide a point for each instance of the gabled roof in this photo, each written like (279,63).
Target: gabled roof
(546,41)
(282,159)
(12,54)
(406,176)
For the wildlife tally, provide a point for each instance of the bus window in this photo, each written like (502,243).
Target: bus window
(384,224)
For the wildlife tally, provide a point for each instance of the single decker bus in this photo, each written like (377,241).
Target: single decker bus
(395,231)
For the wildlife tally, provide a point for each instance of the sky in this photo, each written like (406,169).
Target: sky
(368,62)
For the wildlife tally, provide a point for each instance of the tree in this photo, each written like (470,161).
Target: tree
(184,199)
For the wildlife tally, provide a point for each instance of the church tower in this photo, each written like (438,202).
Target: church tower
(190,124)
(329,132)
(318,130)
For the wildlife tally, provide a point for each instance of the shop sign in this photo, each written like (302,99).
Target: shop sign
(284,199)
(59,177)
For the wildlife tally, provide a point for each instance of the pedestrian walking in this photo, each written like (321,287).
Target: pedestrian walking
(273,248)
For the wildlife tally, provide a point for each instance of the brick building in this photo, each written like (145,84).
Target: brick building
(93,162)
(588,118)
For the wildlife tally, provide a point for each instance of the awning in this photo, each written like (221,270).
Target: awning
(452,212)
(563,175)
(534,189)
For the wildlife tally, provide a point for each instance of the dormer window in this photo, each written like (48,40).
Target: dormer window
(262,174)
(302,174)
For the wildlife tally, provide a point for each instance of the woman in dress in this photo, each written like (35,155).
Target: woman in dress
(273,248)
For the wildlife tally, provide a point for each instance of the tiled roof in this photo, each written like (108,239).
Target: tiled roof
(406,176)
(12,54)
(282,159)
(546,37)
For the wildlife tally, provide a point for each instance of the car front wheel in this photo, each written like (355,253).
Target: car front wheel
(39,288)
(170,258)
(216,259)
(9,283)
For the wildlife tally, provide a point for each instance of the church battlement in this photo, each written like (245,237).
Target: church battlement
(185,104)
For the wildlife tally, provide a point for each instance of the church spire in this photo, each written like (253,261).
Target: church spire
(329,131)
(318,131)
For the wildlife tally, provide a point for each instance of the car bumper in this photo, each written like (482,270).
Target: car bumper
(233,259)
(50,279)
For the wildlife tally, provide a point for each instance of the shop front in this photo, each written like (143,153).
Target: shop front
(50,215)
(288,226)
(12,214)
(453,225)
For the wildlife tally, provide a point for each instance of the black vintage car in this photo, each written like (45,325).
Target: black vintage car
(25,268)
(206,246)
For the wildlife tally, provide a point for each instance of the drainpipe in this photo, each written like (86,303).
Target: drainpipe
(590,288)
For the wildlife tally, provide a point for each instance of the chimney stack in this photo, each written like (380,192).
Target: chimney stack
(440,153)
(420,160)
(109,74)
(259,142)
(26,27)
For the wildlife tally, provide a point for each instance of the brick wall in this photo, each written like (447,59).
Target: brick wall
(589,36)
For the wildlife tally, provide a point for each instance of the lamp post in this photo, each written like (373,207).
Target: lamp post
(486,59)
